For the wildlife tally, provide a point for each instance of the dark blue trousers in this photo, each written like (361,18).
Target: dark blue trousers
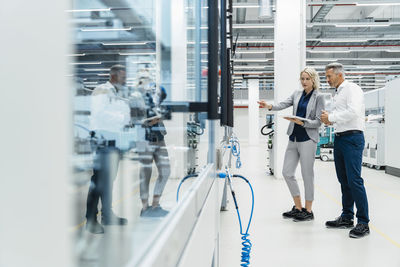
(348,151)
(101,185)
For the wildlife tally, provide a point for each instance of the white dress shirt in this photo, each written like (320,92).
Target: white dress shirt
(348,108)
(108,111)
(106,88)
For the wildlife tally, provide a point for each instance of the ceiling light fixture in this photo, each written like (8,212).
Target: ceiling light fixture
(378,4)
(321,59)
(128,43)
(254,51)
(255,41)
(385,59)
(252,26)
(138,54)
(86,63)
(76,55)
(251,60)
(249,67)
(328,51)
(105,29)
(105,69)
(364,25)
(88,10)
(192,27)
(339,40)
(246,6)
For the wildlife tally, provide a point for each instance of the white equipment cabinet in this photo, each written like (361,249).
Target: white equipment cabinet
(374,150)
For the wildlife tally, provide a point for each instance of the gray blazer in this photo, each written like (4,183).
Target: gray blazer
(314,109)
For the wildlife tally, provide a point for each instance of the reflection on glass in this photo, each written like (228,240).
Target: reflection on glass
(328,102)
(130,150)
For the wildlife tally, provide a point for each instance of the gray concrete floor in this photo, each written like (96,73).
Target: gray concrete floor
(281,242)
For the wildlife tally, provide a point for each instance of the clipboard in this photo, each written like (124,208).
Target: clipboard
(150,119)
(295,117)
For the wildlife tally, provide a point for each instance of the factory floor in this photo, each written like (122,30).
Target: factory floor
(283,242)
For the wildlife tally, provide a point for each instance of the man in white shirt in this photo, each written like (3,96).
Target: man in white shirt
(347,117)
(107,114)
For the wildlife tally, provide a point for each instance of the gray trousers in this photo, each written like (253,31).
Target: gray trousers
(305,152)
(158,152)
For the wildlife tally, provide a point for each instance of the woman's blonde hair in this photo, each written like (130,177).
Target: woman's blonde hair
(314,76)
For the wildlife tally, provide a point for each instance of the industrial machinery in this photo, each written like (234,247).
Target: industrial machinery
(193,131)
(325,144)
(374,150)
(326,152)
(270,135)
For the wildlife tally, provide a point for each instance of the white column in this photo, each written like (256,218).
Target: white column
(253,111)
(178,51)
(36,134)
(290,29)
(176,139)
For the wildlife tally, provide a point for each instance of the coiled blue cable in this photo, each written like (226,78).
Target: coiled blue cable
(246,249)
(246,243)
(236,151)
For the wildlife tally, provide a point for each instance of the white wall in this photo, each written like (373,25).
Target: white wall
(392,126)
(176,138)
(36,134)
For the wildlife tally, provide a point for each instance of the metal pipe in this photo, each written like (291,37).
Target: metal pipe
(212,60)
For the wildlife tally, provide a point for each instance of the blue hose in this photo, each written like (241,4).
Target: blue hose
(235,148)
(246,243)
(246,249)
(82,127)
(179,187)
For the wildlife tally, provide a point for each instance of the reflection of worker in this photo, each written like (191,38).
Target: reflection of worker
(155,151)
(106,116)
(348,118)
(303,139)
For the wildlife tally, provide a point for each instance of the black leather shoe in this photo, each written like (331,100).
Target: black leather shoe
(340,222)
(112,219)
(304,215)
(94,227)
(290,214)
(360,230)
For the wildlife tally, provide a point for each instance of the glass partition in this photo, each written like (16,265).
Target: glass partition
(134,63)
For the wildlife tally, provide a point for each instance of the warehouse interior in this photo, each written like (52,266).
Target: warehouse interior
(134,132)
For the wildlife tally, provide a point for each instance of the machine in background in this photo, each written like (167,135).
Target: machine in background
(325,144)
(270,135)
(374,134)
(374,150)
(326,152)
(193,131)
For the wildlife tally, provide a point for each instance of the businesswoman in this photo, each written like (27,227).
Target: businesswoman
(303,139)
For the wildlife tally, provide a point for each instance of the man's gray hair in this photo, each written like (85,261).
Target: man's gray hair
(115,69)
(336,67)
